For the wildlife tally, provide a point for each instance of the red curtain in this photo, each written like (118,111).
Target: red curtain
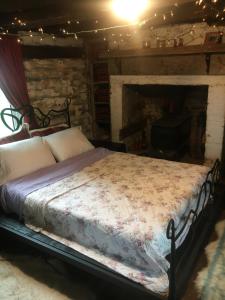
(12,76)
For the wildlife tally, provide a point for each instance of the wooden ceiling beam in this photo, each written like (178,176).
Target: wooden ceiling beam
(58,12)
(45,52)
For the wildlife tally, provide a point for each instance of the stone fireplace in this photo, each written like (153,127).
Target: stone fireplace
(128,104)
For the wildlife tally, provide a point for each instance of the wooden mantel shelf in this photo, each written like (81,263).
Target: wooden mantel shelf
(167,51)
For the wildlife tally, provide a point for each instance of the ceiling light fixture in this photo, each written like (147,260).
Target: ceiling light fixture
(129,10)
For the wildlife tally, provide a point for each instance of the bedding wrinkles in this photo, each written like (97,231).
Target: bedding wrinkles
(117,210)
(13,193)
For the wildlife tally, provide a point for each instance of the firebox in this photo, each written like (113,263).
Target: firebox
(165,121)
(204,98)
(170,135)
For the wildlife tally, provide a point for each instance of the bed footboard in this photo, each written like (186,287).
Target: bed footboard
(201,221)
(181,259)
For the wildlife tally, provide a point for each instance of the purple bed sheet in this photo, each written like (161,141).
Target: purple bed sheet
(13,193)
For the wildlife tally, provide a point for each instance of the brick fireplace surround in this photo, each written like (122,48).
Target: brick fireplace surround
(215,106)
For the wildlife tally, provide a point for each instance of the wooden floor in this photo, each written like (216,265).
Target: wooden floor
(103,290)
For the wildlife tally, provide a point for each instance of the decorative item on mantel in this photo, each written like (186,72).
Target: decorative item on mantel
(212,38)
(178,42)
(146,44)
(161,43)
(175,44)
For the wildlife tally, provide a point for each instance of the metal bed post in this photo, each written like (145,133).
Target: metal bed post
(206,197)
(67,111)
(172,272)
(214,175)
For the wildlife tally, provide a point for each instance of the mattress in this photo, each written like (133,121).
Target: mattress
(113,207)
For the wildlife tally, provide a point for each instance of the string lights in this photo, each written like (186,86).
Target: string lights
(213,8)
(129,10)
(208,6)
(70,33)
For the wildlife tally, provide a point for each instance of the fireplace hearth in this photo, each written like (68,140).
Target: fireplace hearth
(201,96)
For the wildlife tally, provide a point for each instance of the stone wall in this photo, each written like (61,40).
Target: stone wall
(191,34)
(166,65)
(51,81)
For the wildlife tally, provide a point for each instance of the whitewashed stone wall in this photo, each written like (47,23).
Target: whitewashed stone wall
(192,34)
(51,81)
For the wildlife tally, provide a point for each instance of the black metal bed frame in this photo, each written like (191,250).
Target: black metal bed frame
(182,259)
(207,200)
(35,115)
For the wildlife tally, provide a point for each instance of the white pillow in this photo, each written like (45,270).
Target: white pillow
(68,143)
(20,158)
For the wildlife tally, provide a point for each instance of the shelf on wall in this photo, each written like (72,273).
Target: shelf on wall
(166,51)
(100,98)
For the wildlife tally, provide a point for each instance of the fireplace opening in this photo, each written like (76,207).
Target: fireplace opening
(165,121)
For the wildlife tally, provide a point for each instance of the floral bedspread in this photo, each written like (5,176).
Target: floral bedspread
(117,210)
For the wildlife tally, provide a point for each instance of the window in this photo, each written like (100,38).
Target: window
(4,103)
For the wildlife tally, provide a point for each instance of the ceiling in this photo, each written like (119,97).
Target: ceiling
(52,15)
(24,5)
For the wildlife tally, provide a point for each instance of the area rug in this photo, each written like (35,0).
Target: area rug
(210,281)
(24,277)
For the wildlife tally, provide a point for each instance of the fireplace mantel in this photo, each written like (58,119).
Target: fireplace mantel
(215,108)
(166,51)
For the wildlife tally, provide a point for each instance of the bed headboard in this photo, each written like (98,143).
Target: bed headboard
(35,115)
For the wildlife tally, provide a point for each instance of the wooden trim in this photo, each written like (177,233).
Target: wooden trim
(44,52)
(167,51)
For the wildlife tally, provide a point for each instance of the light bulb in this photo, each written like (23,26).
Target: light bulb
(129,10)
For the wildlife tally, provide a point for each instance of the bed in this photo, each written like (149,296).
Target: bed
(129,219)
